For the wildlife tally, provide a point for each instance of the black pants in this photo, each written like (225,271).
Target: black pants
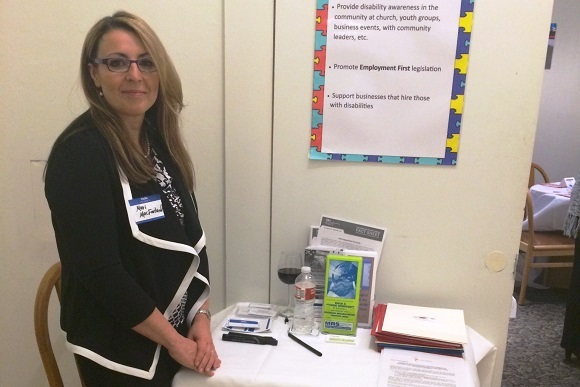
(571,334)
(95,375)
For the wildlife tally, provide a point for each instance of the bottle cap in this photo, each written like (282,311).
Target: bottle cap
(305,269)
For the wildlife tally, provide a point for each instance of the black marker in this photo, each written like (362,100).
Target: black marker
(249,339)
(302,343)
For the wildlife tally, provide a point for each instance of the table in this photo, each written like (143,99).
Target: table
(551,203)
(290,364)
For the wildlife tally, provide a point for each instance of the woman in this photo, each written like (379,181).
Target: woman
(119,183)
(571,335)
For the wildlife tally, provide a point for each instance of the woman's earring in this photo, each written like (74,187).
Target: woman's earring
(100,93)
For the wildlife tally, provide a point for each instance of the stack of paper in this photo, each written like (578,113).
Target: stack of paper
(250,317)
(417,328)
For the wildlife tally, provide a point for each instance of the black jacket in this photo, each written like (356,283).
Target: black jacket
(115,270)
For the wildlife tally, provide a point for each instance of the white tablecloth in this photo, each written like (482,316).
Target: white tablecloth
(289,364)
(550,207)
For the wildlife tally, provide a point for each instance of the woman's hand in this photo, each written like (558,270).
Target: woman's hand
(194,351)
(183,351)
(206,359)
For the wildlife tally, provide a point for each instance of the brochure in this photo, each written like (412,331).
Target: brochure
(351,236)
(370,262)
(315,257)
(341,294)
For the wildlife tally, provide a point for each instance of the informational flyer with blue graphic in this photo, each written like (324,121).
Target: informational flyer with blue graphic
(341,294)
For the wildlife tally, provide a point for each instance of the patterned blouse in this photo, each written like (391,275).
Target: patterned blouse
(165,181)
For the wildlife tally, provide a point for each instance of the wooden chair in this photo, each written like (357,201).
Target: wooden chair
(551,244)
(536,168)
(50,281)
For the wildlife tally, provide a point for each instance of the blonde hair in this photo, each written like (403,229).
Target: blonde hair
(164,114)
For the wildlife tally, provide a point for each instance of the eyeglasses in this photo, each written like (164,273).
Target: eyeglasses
(122,65)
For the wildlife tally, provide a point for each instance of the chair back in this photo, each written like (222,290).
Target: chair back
(552,245)
(532,178)
(50,281)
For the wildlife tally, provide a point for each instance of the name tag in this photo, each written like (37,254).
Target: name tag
(147,208)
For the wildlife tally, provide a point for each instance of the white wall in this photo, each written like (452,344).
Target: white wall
(248,53)
(40,94)
(557,146)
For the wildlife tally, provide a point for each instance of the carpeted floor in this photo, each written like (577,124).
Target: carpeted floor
(534,357)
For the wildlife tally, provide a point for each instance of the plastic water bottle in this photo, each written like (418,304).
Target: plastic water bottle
(304,295)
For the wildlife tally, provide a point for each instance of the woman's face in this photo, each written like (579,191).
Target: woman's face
(129,93)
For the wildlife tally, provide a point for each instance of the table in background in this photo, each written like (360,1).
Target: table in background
(550,207)
(551,202)
(290,364)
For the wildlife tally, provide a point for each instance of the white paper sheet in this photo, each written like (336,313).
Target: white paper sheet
(401,368)
(385,62)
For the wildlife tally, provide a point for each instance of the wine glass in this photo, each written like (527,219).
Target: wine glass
(289,267)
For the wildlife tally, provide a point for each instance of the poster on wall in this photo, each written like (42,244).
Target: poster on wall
(389,80)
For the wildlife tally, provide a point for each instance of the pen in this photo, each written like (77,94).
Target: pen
(302,343)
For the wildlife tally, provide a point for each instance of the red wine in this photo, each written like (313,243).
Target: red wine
(288,274)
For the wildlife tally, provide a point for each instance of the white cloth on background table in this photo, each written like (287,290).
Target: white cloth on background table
(550,207)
